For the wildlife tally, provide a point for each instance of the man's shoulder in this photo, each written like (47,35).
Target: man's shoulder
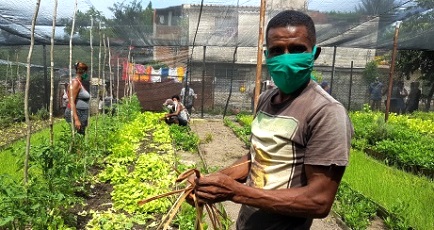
(316,98)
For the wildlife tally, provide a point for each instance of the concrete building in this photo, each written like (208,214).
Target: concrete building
(219,45)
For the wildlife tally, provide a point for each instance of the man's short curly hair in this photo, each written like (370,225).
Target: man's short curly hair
(293,18)
(177,97)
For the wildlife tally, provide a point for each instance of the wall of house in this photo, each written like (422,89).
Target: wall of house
(287,4)
(220,48)
(344,56)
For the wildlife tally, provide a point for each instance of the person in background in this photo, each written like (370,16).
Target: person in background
(325,85)
(397,100)
(78,105)
(413,97)
(187,97)
(65,98)
(300,140)
(100,105)
(178,113)
(168,107)
(376,93)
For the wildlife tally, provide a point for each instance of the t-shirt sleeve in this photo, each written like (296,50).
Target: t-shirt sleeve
(329,136)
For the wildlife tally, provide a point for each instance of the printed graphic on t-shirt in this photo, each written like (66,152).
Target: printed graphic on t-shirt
(273,154)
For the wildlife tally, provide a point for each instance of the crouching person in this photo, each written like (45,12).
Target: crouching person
(177,113)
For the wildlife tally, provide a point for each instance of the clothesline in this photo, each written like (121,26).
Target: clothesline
(147,73)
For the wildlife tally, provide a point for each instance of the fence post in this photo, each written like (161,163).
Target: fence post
(333,69)
(203,80)
(351,85)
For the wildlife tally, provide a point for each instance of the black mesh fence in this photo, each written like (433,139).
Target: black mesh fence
(212,46)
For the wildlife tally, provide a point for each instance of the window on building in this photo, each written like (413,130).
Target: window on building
(226,26)
(223,79)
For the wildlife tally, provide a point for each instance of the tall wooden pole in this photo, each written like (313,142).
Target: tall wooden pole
(392,69)
(351,85)
(333,69)
(203,82)
(53,33)
(259,54)
(46,91)
(26,94)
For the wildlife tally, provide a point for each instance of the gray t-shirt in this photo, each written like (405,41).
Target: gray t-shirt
(189,96)
(312,129)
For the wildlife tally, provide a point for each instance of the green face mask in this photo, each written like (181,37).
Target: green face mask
(84,76)
(291,71)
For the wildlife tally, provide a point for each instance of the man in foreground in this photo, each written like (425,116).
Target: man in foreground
(300,140)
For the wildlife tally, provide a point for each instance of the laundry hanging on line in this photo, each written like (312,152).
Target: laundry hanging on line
(146,73)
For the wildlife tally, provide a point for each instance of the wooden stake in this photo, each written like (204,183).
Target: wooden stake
(26,94)
(259,55)
(53,33)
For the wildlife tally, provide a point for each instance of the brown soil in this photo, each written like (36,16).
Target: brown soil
(220,147)
(99,199)
(18,131)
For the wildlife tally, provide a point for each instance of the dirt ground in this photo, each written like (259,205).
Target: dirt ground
(220,147)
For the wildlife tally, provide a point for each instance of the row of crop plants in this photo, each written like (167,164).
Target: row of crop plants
(59,174)
(132,151)
(405,143)
(141,166)
(385,188)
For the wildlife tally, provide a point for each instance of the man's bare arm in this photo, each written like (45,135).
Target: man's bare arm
(239,169)
(313,200)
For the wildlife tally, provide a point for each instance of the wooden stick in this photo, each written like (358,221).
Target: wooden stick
(142,202)
(174,209)
(199,212)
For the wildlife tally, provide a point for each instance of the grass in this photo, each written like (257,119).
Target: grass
(8,159)
(408,195)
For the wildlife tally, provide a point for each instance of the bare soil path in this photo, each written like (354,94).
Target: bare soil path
(220,147)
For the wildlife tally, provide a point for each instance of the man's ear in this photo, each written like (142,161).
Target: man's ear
(318,51)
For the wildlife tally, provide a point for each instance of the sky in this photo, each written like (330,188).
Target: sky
(321,5)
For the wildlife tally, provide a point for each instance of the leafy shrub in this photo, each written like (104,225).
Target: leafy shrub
(354,208)
(403,140)
(242,132)
(396,220)
(184,138)
(11,109)
(371,71)
(128,108)
(41,114)
(244,119)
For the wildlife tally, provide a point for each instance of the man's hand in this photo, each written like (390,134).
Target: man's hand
(214,188)
(77,124)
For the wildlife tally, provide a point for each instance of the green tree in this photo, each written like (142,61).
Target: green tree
(371,72)
(428,4)
(412,60)
(131,22)
(83,24)
(375,7)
